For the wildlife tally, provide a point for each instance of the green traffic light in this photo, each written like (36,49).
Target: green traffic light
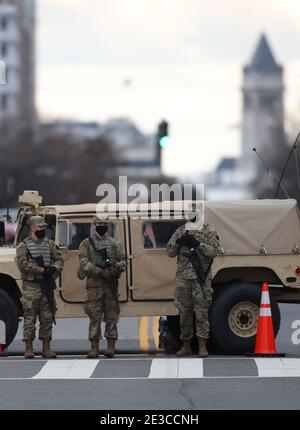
(164,142)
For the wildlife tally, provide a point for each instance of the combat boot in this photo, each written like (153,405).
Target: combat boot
(47,353)
(185,349)
(110,350)
(202,348)
(29,351)
(94,352)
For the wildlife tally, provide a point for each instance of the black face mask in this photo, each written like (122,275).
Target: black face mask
(101,229)
(40,234)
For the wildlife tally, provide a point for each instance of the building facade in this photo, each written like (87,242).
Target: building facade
(17,52)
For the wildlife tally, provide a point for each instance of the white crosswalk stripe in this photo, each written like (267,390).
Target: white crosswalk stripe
(67,369)
(176,368)
(278,367)
(190,368)
(162,368)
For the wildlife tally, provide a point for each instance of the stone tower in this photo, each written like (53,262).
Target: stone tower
(263,116)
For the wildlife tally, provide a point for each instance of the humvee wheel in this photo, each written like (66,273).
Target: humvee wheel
(234,315)
(9,315)
(242,319)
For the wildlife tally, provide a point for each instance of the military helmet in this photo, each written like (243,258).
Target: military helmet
(98,219)
(37,220)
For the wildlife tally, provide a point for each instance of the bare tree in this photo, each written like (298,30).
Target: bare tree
(276,158)
(61,169)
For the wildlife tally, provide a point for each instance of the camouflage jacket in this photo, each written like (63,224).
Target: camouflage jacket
(207,250)
(89,259)
(30,271)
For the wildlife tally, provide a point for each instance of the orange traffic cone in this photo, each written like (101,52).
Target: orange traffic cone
(265,339)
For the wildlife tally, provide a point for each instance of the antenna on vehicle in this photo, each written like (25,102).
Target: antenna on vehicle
(273,173)
(294,147)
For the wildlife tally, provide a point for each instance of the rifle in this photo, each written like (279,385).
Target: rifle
(114,289)
(48,284)
(106,263)
(192,244)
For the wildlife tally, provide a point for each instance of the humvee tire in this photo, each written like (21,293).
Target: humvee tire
(233,317)
(9,315)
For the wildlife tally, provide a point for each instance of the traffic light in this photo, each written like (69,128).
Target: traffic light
(163,134)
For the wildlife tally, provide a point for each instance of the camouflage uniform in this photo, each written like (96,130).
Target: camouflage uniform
(34,303)
(100,284)
(189,294)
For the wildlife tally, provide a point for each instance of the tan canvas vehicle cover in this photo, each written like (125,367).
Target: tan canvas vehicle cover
(244,226)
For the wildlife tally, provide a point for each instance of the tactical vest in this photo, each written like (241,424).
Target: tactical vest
(36,249)
(106,243)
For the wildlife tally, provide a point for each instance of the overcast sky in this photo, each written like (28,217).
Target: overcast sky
(183,58)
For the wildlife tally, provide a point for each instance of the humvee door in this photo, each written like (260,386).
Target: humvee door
(152,271)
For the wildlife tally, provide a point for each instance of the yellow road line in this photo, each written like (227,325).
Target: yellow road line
(155,332)
(143,334)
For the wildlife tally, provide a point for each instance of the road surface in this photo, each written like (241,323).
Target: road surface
(143,377)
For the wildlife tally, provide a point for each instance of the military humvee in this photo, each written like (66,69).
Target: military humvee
(260,241)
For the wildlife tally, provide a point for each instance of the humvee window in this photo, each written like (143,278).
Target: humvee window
(2,233)
(112,231)
(81,231)
(51,226)
(156,234)
(24,230)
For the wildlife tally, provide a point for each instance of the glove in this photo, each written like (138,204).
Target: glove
(49,271)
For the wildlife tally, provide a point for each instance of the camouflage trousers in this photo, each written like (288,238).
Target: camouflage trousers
(35,305)
(101,303)
(192,298)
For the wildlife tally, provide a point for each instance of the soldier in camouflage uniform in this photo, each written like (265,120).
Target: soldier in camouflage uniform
(190,294)
(102,293)
(35,303)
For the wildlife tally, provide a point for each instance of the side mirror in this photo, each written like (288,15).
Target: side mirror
(2,233)
(65,233)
